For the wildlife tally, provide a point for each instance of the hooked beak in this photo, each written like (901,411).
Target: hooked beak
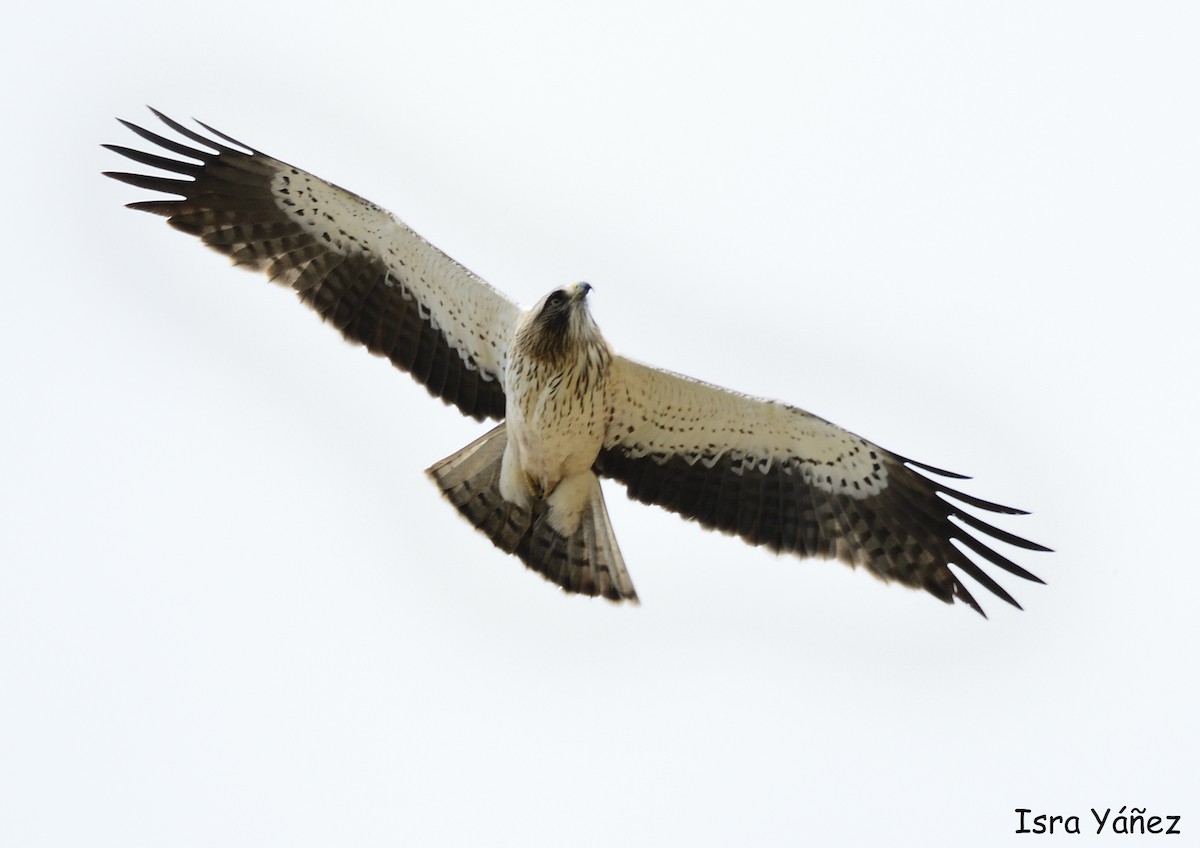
(579,291)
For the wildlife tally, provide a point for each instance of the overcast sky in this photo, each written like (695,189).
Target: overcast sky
(233,610)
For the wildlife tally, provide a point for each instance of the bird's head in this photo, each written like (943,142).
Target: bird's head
(559,323)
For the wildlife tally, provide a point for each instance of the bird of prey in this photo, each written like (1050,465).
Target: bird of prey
(570,409)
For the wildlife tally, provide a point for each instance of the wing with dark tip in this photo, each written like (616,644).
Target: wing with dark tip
(778,476)
(359,267)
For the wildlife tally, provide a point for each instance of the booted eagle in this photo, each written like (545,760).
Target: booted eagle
(571,410)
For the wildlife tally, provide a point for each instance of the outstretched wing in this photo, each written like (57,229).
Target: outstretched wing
(357,265)
(777,476)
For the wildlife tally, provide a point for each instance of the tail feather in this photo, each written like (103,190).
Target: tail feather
(587,562)
(470,480)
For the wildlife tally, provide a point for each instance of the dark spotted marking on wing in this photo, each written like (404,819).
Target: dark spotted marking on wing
(780,477)
(362,270)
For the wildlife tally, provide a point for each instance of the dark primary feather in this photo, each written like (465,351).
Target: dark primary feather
(903,534)
(226,200)
(778,476)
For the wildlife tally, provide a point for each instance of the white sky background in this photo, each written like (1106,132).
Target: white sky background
(233,611)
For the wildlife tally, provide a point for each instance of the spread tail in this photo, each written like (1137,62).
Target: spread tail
(587,561)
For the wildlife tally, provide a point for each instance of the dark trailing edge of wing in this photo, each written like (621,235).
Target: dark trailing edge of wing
(226,201)
(902,534)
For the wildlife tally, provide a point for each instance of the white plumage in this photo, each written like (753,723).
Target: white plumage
(572,410)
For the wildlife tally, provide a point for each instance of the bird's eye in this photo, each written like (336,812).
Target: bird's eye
(556,298)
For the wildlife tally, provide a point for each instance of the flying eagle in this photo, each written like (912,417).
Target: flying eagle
(571,410)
